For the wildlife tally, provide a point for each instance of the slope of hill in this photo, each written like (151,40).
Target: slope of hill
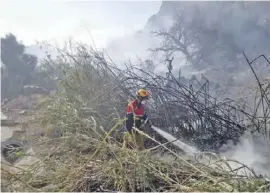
(223,30)
(214,35)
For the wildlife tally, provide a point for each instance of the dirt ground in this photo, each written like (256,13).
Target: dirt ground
(17,110)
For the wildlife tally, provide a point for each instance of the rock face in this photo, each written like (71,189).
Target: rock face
(223,31)
(166,12)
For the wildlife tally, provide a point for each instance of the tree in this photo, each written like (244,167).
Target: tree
(18,68)
(212,38)
(179,39)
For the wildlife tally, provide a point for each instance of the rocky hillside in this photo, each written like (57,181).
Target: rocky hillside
(215,35)
(210,37)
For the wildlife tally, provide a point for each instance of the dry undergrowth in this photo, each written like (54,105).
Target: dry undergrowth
(77,154)
(80,162)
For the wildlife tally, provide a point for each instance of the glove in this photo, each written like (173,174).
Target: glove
(149,123)
(142,126)
(145,124)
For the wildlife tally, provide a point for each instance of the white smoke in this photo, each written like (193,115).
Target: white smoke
(252,151)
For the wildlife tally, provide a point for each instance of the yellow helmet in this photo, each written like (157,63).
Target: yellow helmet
(142,93)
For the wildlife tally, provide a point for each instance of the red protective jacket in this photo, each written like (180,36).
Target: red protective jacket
(134,109)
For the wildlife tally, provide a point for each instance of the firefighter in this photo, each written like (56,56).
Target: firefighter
(136,116)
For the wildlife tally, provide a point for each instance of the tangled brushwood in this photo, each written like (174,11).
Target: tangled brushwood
(83,122)
(82,163)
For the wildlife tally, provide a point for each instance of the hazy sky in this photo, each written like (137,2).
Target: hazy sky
(32,20)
